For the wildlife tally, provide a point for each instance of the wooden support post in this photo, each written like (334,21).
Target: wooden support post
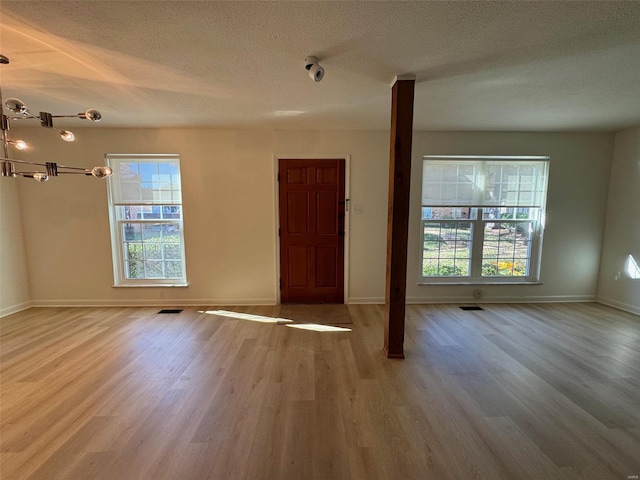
(398,216)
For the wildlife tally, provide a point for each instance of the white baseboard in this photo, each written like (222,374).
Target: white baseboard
(6,311)
(364,300)
(619,305)
(271,301)
(504,299)
(470,299)
(160,302)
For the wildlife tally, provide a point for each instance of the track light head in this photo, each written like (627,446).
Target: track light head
(310,62)
(316,71)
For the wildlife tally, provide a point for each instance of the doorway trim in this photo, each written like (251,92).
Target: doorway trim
(347,216)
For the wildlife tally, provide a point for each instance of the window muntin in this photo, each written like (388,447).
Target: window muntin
(146,220)
(508,241)
(503,200)
(447,248)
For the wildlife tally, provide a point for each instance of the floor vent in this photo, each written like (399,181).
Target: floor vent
(170,310)
(471,307)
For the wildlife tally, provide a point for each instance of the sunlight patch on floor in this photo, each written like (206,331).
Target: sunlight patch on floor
(276,320)
(318,327)
(246,316)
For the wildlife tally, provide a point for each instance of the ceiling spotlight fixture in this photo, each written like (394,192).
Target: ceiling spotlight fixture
(316,71)
(18,108)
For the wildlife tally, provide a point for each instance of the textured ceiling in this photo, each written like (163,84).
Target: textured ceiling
(546,66)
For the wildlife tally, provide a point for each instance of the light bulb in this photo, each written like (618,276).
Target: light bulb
(99,172)
(19,144)
(91,114)
(67,136)
(40,177)
(16,106)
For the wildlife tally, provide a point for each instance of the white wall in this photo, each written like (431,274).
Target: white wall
(622,233)
(229,203)
(14,284)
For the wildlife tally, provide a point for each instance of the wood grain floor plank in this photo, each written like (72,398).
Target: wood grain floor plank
(514,392)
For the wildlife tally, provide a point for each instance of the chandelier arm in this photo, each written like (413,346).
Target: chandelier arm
(71,168)
(53,169)
(8,168)
(24,162)
(5,143)
(29,116)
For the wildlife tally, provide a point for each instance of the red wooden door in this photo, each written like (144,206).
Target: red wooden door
(311,197)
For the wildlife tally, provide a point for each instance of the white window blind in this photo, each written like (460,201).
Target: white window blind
(145,180)
(477,181)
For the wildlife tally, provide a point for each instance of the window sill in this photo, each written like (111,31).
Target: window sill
(151,285)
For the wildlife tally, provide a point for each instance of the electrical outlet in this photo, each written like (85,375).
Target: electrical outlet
(477,294)
(357,209)
(161,294)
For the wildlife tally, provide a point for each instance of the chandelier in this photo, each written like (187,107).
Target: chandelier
(51,169)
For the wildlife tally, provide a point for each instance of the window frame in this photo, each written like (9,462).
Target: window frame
(116,224)
(478,223)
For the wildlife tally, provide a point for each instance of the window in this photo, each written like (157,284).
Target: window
(482,219)
(145,211)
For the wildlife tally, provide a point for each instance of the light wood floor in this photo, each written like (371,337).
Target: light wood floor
(513,392)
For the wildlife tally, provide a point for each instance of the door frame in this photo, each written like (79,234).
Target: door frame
(347,214)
